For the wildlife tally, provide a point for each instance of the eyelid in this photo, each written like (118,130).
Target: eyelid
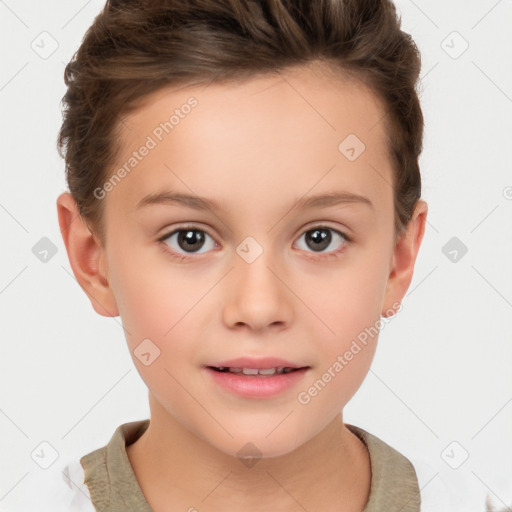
(326,224)
(183,227)
(309,227)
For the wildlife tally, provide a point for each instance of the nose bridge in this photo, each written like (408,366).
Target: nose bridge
(256,296)
(252,268)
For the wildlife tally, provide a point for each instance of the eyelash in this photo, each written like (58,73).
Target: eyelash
(184,257)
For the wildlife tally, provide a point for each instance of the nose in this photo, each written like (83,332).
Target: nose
(256,296)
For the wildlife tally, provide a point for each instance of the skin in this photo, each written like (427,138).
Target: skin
(255,148)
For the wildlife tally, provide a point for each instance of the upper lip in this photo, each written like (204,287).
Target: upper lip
(255,362)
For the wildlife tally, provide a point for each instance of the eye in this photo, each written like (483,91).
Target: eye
(187,239)
(191,240)
(320,237)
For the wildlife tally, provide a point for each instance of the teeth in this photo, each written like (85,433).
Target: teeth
(250,371)
(268,371)
(256,371)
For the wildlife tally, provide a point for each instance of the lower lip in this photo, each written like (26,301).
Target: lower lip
(257,386)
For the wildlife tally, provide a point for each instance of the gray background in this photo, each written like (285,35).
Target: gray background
(440,387)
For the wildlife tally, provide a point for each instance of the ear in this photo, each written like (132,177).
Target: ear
(86,256)
(404,258)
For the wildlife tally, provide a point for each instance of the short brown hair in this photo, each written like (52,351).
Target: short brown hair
(134,48)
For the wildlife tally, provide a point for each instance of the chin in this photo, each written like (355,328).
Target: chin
(257,445)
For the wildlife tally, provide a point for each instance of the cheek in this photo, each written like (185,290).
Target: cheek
(161,311)
(344,360)
(157,311)
(349,300)
(348,307)
(152,296)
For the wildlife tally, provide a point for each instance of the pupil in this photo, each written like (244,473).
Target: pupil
(322,237)
(194,239)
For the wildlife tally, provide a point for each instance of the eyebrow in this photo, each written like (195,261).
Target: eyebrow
(202,203)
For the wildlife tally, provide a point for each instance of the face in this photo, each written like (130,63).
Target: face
(253,271)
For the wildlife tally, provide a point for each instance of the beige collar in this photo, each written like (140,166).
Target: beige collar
(114,488)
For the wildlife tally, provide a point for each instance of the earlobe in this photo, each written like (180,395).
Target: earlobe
(404,258)
(86,256)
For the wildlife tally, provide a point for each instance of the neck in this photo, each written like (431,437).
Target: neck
(174,467)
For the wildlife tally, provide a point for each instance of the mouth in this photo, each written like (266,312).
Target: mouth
(256,372)
(262,378)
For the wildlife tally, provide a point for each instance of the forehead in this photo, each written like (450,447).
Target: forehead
(293,132)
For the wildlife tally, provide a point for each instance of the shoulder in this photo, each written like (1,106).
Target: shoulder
(59,488)
(458,492)
(100,467)
(78,494)
(67,491)
(439,490)
(435,493)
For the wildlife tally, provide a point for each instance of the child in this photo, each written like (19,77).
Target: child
(262,128)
